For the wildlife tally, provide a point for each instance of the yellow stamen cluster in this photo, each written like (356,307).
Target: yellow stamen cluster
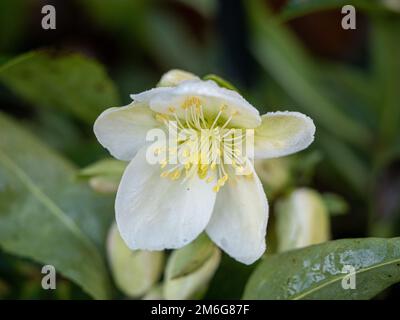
(191,102)
(203,144)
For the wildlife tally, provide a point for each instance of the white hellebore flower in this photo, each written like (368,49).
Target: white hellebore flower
(166,206)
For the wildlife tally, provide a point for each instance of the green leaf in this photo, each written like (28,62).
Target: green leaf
(48,216)
(281,55)
(104,167)
(221,82)
(316,272)
(65,82)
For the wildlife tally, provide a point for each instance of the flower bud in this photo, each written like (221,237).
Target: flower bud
(190,269)
(134,272)
(302,220)
(104,176)
(174,77)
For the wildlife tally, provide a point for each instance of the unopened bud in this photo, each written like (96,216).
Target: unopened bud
(190,269)
(302,220)
(174,77)
(134,272)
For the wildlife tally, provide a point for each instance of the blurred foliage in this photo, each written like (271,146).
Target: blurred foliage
(54,83)
(49,80)
(41,206)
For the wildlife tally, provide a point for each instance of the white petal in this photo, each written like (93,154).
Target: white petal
(155,213)
(239,222)
(282,133)
(147,95)
(211,96)
(122,130)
